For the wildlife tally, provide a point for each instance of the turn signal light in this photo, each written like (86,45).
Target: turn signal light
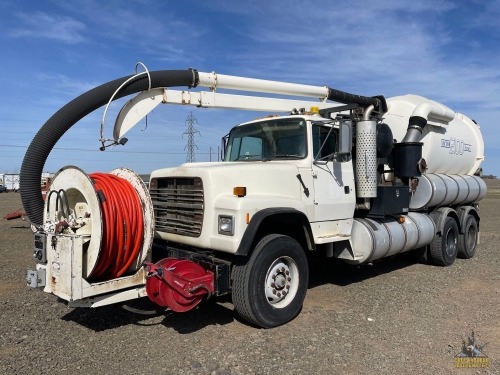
(240,191)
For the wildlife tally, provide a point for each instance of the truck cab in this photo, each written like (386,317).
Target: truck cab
(312,144)
(276,167)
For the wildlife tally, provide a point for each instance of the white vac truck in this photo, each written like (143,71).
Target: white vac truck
(346,176)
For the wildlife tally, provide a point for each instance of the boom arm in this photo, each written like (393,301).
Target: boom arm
(137,108)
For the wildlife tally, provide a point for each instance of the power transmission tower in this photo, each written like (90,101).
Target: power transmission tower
(191,131)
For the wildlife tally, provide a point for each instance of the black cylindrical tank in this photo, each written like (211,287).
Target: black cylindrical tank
(385,140)
(406,157)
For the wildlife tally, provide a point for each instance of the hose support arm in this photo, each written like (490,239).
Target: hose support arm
(48,135)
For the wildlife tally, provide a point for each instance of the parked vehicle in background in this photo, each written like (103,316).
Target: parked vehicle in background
(11,181)
(3,189)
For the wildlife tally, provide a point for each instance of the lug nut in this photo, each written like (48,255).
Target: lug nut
(289,279)
(273,285)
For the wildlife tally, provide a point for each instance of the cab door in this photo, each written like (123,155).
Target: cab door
(334,190)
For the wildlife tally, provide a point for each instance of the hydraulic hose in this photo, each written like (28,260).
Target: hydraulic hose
(123,226)
(70,114)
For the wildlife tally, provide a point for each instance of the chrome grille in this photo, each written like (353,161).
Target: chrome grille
(178,205)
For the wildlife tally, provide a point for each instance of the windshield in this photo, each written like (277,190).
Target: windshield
(267,140)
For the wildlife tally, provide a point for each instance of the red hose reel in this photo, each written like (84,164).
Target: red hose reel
(114,214)
(178,284)
(123,226)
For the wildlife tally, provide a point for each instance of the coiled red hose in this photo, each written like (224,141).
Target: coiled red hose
(123,226)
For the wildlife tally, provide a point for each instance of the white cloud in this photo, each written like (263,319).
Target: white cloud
(47,26)
(69,85)
(390,46)
(487,16)
(135,23)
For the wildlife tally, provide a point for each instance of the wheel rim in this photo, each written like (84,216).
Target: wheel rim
(451,242)
(282,282)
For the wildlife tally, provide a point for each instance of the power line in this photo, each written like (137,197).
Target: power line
(191,131)
(111,152)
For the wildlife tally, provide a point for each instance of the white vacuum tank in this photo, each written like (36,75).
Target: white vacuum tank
(455,148)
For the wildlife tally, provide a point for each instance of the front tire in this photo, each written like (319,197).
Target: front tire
(444,248)
(270,286)
(468,240)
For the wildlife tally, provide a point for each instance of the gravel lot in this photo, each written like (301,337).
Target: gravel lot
(394,317)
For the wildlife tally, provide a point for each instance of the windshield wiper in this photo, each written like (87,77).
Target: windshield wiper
(282,156)
(245,157)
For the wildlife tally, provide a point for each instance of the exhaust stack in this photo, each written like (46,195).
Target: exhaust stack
(366,156)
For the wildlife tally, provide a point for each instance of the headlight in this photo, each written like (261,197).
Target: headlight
(226,225)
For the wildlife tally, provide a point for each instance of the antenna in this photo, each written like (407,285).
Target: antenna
(191,131)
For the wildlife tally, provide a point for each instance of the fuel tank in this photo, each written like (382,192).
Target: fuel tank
(455,147)
(374,239)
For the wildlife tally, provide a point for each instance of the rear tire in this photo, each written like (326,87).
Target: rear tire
(468,240)
(444,249)
(270,286)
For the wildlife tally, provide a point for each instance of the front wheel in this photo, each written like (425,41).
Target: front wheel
(269,287)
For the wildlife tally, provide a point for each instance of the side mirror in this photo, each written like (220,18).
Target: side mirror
(223,145)
(345,141)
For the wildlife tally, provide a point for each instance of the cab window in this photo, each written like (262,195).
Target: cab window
(325,142)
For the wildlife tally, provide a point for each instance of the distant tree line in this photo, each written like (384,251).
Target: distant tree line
(489,177)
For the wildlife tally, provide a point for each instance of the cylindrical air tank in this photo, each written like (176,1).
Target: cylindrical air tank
(454,148)
(444,190)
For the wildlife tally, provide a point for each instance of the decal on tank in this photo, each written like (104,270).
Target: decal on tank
(456,146)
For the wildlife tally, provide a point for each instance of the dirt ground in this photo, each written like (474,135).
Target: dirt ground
(393,317)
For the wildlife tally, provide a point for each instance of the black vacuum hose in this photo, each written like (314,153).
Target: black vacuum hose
(70,114)
(344,97)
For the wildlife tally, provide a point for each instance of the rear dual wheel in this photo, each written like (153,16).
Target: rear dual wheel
(451,244)
(444,248)
(270,286)
(468,240)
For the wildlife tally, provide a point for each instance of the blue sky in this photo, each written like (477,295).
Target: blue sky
(53,51)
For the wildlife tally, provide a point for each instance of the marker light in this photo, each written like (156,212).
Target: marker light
(240,191)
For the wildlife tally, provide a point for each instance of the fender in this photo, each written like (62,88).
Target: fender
(439,216)
(463,212)
(257,219)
